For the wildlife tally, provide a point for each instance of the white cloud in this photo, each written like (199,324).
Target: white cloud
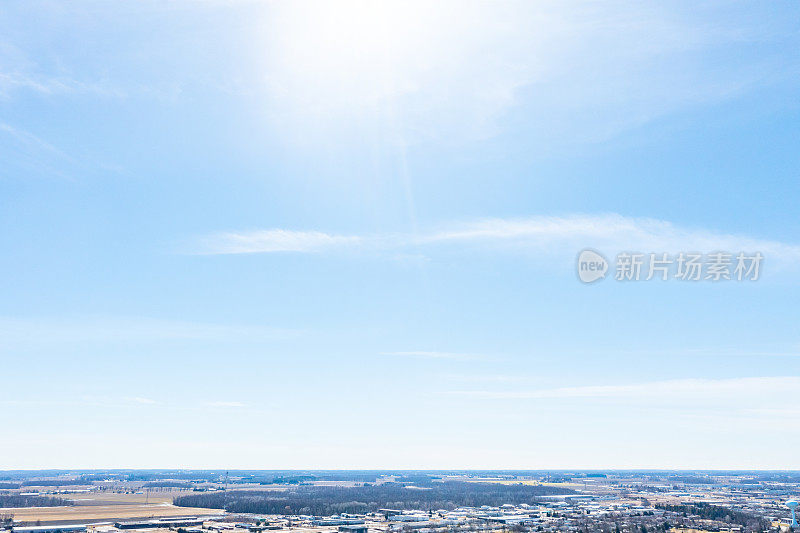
(29,139)
(226,404)
(744,389)
(549,235)
(274,240)
(144,401)
(434,355)
(491,378)
(411,71)
(16,333)
(790,415)
(610,232)
(49,86)
(25,150)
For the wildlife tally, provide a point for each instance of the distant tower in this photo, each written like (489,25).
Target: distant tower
(792,504)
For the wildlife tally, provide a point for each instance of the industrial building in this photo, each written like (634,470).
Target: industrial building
(80,528)
(353,528)
(163,523)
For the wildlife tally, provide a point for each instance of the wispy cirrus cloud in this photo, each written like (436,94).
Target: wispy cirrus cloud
(585,72)
(491,378)
(765,402)
(29,139)
(678,389)
(18,333)
(543,234)
(53,85)
(434,355)
(613,231)
(142,401)
(226,404)
(274,240)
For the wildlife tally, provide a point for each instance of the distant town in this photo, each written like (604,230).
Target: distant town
(202,501)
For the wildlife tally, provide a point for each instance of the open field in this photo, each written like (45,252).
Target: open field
(107,507)
(114,498)
(530,482)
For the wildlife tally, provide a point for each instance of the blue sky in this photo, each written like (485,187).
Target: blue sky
(299,235)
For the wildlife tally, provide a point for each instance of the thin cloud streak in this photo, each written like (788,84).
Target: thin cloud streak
(669,389)
(44,332)
(491,378)
(50,85)
(449,88)
(434,355)
(611,233)
(143,401)
(226,404)
(274,240)
(30,139)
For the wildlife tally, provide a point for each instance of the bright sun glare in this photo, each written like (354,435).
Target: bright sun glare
(338,54)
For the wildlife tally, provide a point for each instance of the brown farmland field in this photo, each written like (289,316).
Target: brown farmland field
(107,507)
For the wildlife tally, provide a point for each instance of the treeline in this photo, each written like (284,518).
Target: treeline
(187,475)
(322,501)
(167,484)
(716,512)
(15,500)
(9,485)
(53,482)
(690,480)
